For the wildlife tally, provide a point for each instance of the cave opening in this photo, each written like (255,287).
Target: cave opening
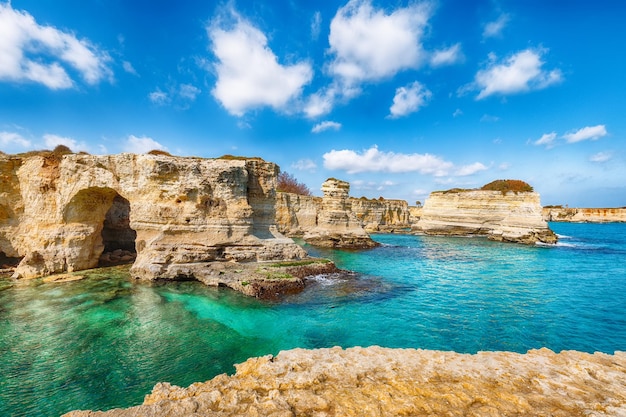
(118,237)
(8,263)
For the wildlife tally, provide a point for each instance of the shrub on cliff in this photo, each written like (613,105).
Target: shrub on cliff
(289,184)
(505,186)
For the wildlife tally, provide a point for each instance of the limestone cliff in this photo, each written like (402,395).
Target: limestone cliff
(337,226)
(511,216)
(58,213)
(584,215)
(382,215)
(400,382)
(295,213)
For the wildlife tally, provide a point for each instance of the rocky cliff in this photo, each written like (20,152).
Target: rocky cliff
(60,212)
(382,215)
(391,382)
(584,215)
(511,216)
(337,226)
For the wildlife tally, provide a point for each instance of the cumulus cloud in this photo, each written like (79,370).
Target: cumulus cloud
(446,56)
(11,139)
(52,141)
(248,73)
(547,140)
(586,133)
(304,165)
(518,73)
(369,44)
(373,160)
(470,169)
(409,99)
(601,157)
(142,144)
(326,125)
(159,97)
(494,29)
(30,52)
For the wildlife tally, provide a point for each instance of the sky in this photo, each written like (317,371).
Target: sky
(400,98)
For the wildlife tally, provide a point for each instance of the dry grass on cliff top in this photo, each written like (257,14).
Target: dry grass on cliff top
(504,186)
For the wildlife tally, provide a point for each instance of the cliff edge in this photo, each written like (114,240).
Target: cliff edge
(379,381)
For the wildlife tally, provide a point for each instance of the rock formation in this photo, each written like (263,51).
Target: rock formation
(391,382)
(337,226)
(510,216)
(382,215)
(60,212)
(584,215)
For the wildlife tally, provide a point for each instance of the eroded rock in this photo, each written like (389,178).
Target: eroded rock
(379,381)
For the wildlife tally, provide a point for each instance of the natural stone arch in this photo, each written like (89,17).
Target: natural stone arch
(103,215)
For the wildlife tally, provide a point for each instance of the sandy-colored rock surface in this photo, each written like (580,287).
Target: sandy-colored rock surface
(400,382)
(337,226)
(584,215)
(512,217)
(60,212)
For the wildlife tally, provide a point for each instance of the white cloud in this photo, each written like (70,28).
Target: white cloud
(188,92)
(470,169)
(457,113)
(489,118)
(316,25)
(304,165)
(373,160)
(518,73)
(52,141)
(36,53)
(10,139)
(159,97)
(128,67)
(409,99)
(248,73)
(586,133)
(369,44)
(326,125)
(493,29)
(142,144)
(547,139)
(601,157)
(447,56)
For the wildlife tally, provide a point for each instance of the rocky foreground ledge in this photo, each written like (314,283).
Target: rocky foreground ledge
(379,381)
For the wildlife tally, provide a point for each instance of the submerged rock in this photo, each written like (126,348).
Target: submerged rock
(379,381)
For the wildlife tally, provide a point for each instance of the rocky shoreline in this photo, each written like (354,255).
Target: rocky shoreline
(377,381)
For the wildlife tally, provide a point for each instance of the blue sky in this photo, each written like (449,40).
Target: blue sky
(400,98)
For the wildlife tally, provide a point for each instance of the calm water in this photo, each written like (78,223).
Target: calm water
(105,341)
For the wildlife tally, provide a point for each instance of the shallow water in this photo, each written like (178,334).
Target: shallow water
(105,341)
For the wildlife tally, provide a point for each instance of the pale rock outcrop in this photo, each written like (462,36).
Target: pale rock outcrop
(511,216)
(182,213)
(382,215)
(337,226)
(378,381)
(295,213)
(584,215)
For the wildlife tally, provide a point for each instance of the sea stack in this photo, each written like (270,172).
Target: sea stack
(337,226)
(504,210)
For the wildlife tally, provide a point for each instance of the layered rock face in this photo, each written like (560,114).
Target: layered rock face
(58,213)
(295,213)
(392,382)
(337,226)
(584,215)
(382,215)
(511,217)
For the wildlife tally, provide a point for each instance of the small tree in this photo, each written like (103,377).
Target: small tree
(287,183)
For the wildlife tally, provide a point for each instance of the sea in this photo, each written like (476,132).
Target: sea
(105,341)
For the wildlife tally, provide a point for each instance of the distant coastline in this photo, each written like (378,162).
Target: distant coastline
(584,215)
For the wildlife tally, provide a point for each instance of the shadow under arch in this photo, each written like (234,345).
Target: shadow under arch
(107,215)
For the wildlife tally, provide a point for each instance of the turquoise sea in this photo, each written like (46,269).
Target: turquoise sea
(105,341)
